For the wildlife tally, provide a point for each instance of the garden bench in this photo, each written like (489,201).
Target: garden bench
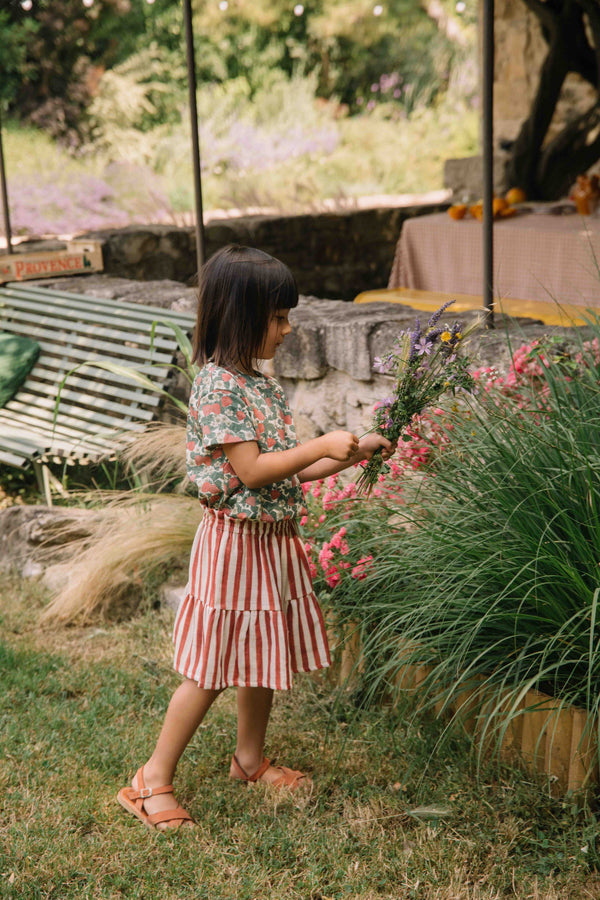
(99,411)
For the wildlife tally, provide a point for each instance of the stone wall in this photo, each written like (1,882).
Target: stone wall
(331,254)
(326,364)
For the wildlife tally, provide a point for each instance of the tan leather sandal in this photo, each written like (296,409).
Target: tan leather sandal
(132,799)
(290,778)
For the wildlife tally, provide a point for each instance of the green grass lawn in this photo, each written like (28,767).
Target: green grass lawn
(394,812)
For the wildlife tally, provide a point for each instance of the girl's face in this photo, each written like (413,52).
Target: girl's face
(279,326)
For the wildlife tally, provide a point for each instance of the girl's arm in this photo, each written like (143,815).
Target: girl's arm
(366,448)
(258,469)
(314,459)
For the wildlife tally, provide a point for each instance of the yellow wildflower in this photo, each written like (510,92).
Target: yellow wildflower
(445,336)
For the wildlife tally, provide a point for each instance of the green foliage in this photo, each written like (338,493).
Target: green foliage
(357,57)
(16,30)
(146,90)
(60,50)
(130,175)
(491,572)
(343,43)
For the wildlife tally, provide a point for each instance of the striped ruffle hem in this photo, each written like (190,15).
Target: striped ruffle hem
(249,616)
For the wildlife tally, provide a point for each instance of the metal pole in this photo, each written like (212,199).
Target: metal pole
(191,68)
(488,161)
(4,191)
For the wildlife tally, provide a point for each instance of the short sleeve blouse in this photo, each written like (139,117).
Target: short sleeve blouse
(227,407)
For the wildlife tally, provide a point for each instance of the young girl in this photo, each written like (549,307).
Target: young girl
(249,618)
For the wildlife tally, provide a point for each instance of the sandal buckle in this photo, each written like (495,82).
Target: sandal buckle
(145,792)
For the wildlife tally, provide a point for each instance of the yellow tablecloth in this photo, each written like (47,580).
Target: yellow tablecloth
(536,257)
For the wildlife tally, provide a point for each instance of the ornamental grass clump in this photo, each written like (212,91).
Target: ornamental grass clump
(497,579)
(132,536)
(425,365)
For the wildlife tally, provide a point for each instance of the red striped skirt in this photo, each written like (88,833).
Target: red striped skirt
(250,616)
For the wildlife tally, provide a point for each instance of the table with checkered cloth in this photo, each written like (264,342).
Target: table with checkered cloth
(536,257)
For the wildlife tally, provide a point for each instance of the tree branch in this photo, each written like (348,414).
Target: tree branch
(569,50)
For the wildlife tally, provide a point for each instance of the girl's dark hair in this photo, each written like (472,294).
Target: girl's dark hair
(240,289)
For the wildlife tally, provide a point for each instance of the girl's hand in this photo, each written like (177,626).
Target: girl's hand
(373,442)
(341,445)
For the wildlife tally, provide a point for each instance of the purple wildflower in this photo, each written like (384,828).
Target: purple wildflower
(382,364)
(423,345)
(414,337)
(439,313)
(455,331)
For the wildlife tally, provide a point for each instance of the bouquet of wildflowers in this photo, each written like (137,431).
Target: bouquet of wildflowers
(425,364)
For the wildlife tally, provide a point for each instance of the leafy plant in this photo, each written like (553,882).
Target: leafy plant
(488,574)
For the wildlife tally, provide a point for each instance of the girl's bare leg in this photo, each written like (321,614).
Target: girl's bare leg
(189,704)
(254,709)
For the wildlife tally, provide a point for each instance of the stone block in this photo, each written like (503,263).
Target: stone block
(171,595)
(306,428)
(464,176)
(302,354)
(347,349)
(33,537)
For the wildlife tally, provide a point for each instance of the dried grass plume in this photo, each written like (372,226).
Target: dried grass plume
(128,541)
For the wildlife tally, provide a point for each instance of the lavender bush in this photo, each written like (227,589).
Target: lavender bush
(50,203)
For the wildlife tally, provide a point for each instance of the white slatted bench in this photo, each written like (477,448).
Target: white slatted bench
(99,411)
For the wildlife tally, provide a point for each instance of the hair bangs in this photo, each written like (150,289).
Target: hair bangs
(284,293)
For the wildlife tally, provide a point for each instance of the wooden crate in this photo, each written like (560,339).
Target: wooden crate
(79,257)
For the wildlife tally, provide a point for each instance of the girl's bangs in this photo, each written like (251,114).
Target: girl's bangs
(285,294)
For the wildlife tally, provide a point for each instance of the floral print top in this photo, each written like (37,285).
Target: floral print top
(227,407)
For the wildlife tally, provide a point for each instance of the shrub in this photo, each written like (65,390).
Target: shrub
(488,570)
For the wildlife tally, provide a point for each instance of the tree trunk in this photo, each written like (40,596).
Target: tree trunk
(570,153)
(522,165)
(547,172)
